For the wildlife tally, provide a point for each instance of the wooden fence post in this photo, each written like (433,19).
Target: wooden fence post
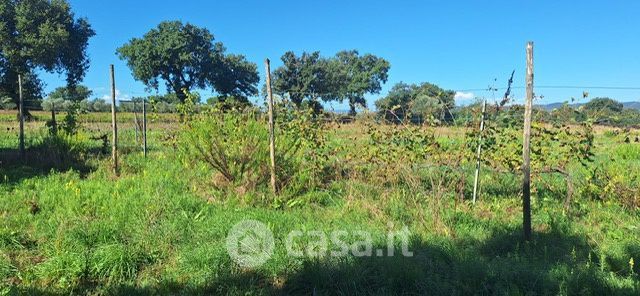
(21,117)
(114,125)
(526,149)
(272,144)
(477,176)
(54,124)
(144,127)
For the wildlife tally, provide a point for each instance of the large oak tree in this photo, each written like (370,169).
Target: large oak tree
(357,75)
(40,35)
(303,77)
(347,76)
(185,57)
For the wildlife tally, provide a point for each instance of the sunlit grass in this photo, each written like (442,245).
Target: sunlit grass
(157,229)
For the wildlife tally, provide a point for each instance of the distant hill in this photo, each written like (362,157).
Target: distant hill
(632,105)
(551,106)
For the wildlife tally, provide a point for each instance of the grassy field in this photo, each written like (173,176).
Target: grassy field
(69,226)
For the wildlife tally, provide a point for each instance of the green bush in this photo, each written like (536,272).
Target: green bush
(235,145)
(616,178)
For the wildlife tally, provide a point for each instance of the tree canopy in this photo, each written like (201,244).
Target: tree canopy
(185,57)
(603,110)
(40,35)
(76,94)
(358,75)
(424,100)
(347,76)
(302,77)
(603,104)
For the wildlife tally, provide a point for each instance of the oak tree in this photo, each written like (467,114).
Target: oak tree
(40,35)
(184,57)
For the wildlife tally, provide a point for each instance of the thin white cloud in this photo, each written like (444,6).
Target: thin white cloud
(464,96)
(119,96)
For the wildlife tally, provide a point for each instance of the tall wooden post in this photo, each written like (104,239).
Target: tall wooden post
(21,117)
(272,144)
(477,176)
(526,149)
(114,125)
(144,127)
(54,124)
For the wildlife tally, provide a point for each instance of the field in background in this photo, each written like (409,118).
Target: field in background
(160,227)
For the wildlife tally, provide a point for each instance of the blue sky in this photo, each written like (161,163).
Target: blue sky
(458,45)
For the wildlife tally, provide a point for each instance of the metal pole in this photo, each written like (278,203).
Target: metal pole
(144,127)
(477,176)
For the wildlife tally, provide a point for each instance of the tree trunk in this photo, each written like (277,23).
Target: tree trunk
(296,100)
(180,94)
(352,108)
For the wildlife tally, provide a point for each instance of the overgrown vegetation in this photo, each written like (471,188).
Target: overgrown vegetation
(160,227)
(70,225)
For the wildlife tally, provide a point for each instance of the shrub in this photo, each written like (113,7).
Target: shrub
(615,179)
(234,144)
(70,123)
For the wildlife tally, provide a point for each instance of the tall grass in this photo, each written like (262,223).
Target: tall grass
(161,227)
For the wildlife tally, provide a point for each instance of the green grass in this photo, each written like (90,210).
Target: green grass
(159,229)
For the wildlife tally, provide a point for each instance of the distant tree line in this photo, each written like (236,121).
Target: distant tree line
(599,110)
(417,103)
(185,58)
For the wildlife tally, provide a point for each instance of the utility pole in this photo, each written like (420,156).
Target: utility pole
(272,144)
(526,148)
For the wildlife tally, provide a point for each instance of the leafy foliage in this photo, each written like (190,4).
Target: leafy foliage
(553,148)
(231,144)
(301,78)
(70,123)
(603,104)
(185,57)
(234,144)
(69,231)
(230,102)
(613,180)
(347,76)
(44,35)
(357,75)
(76,94)
(423,102)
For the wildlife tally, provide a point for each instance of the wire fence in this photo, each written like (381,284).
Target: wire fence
(135,120)
(133,130)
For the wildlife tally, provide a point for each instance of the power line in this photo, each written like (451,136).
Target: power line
(590,87)
(557,87)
